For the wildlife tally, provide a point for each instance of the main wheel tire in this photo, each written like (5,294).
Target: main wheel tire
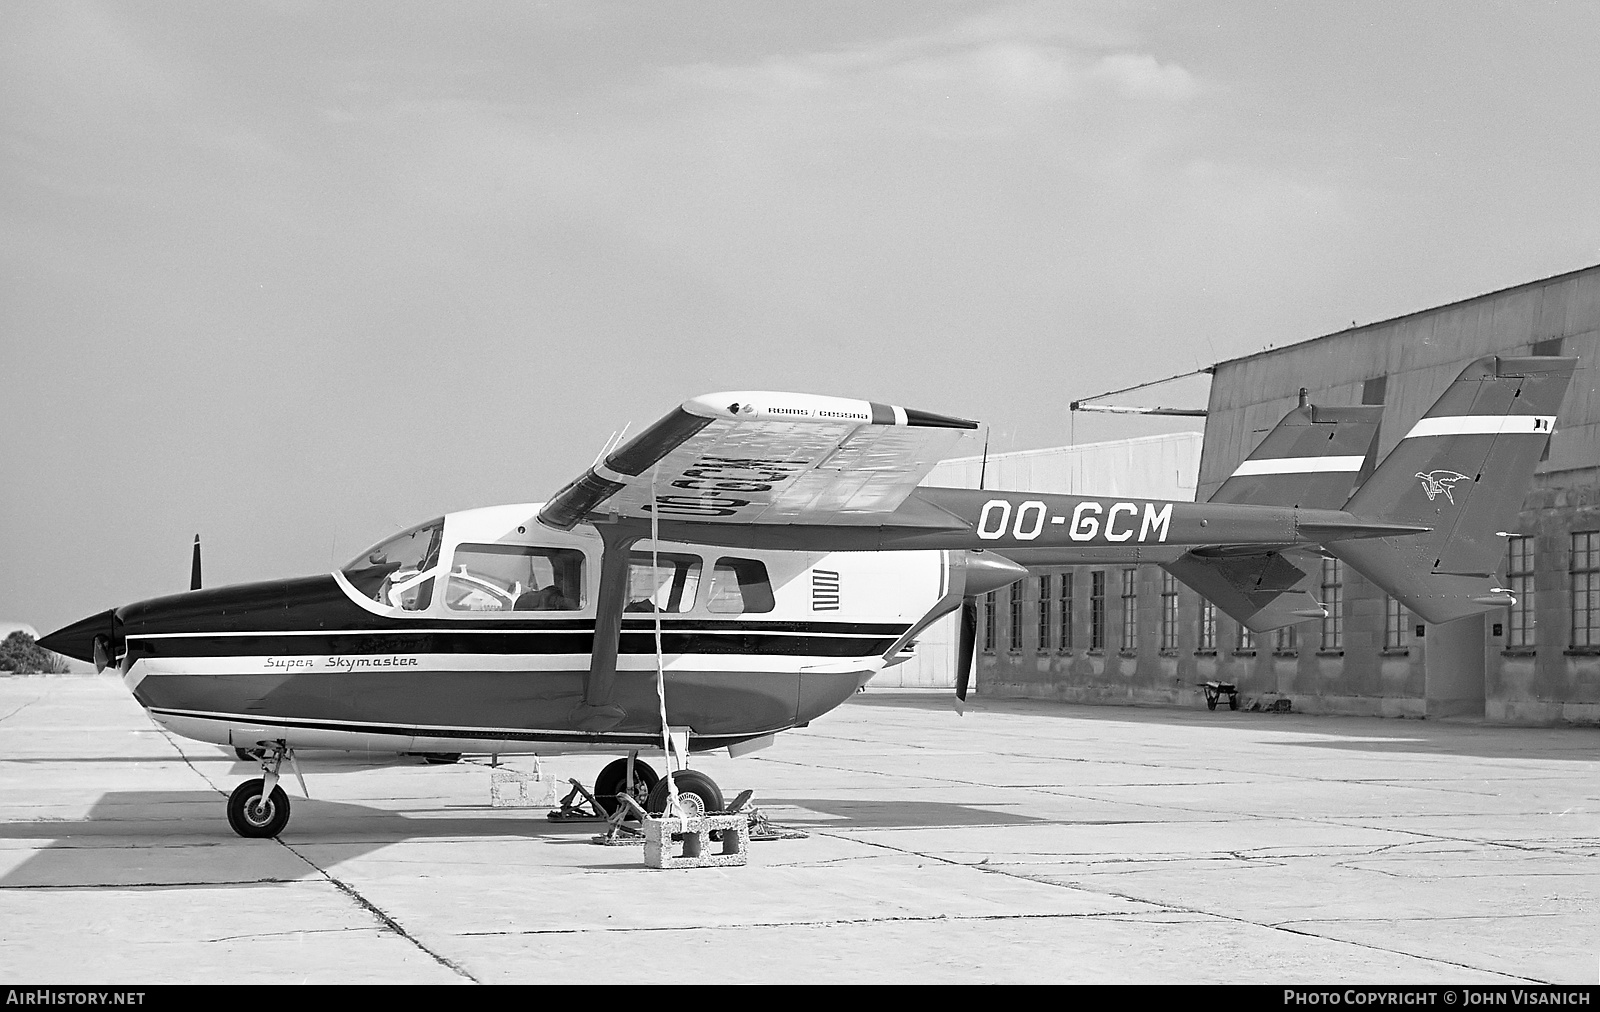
(695,789)
(1233,701)
(1211,702)
(613,780)
(250,818)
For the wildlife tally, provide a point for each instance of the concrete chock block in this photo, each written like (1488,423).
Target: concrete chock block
(662,836)
(510,788)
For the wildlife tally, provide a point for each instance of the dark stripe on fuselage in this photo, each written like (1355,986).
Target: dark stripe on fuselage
(697,743)
(503,642)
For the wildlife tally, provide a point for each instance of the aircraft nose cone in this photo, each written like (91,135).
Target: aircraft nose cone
(77,640)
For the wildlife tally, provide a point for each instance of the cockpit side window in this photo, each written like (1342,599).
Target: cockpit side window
(740,585)
(398,572)
(663,581)
(514,578)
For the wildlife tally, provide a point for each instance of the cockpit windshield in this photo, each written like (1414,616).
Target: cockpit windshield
(399,571)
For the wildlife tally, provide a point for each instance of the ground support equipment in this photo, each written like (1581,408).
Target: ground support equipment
(663,835)
(509,788)
(1216,690)
(579,806)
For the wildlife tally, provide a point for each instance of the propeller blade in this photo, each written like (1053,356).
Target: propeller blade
(194,566)
(965,649)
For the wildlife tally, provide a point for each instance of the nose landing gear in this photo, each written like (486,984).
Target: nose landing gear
(259,809)
(257,813)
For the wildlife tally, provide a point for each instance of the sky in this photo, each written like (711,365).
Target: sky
(294,275)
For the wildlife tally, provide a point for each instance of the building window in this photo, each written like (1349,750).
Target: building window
(1333,603)
(990,617)
(1169,611)
(1247,640)
(1066,611)
(1585,569)
(1044,612)
(1016,616)
(1396,625)
(1097,610)
(1286,641)
(1519,580)
(1130,609)
(1208,626)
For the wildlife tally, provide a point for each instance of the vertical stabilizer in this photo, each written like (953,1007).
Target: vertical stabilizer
(1312,459)
(1463,470)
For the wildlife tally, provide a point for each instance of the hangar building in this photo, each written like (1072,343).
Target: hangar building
(1136,635)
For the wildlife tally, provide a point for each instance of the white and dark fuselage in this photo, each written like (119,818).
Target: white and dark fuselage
(483,642)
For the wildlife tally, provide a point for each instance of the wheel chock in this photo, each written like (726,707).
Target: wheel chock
(510,789)
(662,836)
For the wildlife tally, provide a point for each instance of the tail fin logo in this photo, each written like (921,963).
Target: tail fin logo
(1437,483)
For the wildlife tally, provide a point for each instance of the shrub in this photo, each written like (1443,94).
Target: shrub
(19,653)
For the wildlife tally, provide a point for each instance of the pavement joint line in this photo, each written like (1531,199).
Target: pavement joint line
(820,922)
(1180,908)
(285,934)
(19,709)
(1286,927)
(378,913)
(1402,952)
(176,747)
(135,886)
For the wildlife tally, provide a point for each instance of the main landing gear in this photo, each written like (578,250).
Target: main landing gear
(259,809)
(632,778)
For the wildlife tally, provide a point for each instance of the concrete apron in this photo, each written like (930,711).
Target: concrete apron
(1028,841)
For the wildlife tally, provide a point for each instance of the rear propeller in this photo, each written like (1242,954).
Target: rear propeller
(965,649)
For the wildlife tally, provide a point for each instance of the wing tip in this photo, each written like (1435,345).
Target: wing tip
(777,405)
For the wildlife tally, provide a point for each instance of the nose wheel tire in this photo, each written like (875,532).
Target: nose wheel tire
(613,780)
(254,817)
(695,790)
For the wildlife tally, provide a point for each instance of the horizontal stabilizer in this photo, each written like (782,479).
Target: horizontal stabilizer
(1261,592)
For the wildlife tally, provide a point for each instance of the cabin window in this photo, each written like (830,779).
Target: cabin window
(515,578)
(398,571)
(662,581)
(740,586)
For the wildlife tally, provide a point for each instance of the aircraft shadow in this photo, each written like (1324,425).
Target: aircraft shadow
(841,814)
(123,821)
(1380,735)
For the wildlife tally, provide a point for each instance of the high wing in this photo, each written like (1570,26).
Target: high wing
(762,457)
